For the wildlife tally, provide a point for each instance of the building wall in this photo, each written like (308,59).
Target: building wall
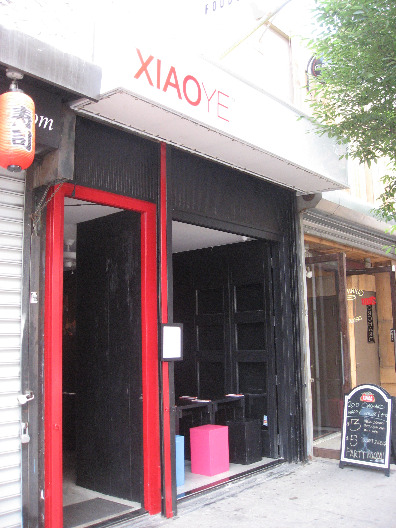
(12,187)
(365,182)
(264,59)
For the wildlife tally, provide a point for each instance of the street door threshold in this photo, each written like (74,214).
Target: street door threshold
(114,520)
(226,478)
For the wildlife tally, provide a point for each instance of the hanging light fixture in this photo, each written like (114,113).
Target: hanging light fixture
(17,127)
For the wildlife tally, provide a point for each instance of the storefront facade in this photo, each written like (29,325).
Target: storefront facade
(149,210)
(261,363)
(350,304)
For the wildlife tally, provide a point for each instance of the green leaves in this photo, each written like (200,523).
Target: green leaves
(354,98)
(387,209)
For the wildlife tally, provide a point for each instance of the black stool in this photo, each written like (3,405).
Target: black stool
(244,437)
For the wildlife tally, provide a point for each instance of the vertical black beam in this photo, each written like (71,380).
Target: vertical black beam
(288,349)
(170,320)
(279,295)
(33,359)
(169,211)
(31,366)
(298,439)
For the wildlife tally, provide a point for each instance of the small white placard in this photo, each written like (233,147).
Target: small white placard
(172,342)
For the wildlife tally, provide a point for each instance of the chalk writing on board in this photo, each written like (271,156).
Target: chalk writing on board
(366,428)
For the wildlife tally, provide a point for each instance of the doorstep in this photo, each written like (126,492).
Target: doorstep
(322,452)
(226,481)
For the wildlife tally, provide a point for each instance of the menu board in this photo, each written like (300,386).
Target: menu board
(366,430)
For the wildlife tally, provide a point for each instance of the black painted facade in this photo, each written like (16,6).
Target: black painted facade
(258,351)
(204,193)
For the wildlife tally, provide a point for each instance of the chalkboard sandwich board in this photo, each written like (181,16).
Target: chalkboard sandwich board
(366,428)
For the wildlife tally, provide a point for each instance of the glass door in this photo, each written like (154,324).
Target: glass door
(329,343)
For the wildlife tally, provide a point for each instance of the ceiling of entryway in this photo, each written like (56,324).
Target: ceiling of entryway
(185,237)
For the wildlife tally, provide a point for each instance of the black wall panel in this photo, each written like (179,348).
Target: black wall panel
(229,344)
(288,345)
(211,190)
(208,194)
(114,161)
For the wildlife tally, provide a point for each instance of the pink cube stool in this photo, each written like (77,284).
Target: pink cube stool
(209,449)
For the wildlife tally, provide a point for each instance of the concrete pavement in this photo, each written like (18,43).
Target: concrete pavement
(316,494)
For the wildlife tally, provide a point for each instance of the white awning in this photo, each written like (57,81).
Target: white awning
(205,110)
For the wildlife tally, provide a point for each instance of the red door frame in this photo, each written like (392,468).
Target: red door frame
(53,346)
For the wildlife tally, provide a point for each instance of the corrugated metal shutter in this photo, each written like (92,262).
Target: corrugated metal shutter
(346,232)
(12,187)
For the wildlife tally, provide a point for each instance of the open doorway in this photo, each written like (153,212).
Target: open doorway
(107,332)
(223,293)
(102,387)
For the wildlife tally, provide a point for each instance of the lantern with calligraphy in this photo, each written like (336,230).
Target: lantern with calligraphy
(17,130)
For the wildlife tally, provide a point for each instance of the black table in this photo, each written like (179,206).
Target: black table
(194,412)
(228,408)
(197,412)
(211,411)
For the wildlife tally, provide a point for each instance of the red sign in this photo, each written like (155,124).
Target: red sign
(187,88)
(367,397)
(369,301)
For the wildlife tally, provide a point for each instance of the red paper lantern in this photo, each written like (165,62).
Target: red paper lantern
(17,131)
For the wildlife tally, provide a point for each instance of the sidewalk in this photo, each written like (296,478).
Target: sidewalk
(317,494)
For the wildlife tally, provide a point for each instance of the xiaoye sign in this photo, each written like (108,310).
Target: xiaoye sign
(366,430)
(185,86)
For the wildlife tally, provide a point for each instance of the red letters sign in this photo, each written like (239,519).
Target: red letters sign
(189,88)
(369,301)
(367,397)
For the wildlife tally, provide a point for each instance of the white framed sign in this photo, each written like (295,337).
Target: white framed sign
(172,342)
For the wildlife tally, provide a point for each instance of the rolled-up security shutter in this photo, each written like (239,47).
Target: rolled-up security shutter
(12,186)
